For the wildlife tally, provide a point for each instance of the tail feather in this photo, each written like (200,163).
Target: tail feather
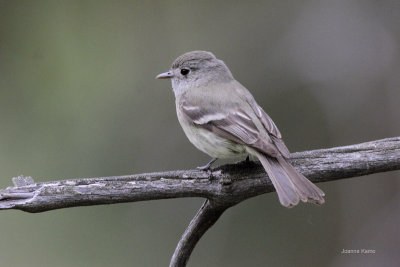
(286,192)
(290,185)
(306,189)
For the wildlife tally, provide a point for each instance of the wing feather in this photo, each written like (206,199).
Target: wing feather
(271,128)
(236,126)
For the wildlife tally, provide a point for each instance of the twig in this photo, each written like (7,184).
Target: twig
(224,187)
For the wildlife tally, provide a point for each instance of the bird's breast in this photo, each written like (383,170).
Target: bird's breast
(209,142)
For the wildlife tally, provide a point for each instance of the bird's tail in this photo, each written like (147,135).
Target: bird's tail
(290,185)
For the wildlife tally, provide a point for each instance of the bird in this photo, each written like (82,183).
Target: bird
(221,118)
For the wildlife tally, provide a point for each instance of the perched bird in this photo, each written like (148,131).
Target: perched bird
(221,118)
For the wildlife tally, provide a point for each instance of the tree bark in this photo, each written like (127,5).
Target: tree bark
(223,187)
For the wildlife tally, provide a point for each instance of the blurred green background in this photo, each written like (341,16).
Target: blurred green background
(78,98)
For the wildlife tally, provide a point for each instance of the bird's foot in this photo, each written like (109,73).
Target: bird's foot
(245,161)
(207,166)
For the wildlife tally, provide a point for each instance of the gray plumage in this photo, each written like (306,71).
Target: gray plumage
(221,118)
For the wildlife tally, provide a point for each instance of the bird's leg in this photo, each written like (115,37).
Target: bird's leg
(246,162)
(207,166)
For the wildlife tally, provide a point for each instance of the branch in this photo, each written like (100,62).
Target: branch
(224,186)
(207,215)
(230,183)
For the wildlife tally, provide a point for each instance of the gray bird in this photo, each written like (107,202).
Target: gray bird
(221,118)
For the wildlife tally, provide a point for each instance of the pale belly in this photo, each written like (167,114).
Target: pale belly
(212,144)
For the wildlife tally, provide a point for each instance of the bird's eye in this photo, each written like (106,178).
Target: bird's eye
(184,71)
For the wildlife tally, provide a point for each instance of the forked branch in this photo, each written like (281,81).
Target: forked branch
(224,186)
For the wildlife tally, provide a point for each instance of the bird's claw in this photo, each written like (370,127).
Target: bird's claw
(207,166)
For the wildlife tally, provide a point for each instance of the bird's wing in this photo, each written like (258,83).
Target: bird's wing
(270,126)
(265,119)
(236,126)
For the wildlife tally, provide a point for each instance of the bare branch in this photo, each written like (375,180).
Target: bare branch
(207,215)
(226,184)
(224,187)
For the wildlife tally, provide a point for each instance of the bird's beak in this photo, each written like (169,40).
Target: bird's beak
(165,75)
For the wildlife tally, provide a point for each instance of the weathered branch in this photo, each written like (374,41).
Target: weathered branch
(207,215)
(228,183)
(224,187)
